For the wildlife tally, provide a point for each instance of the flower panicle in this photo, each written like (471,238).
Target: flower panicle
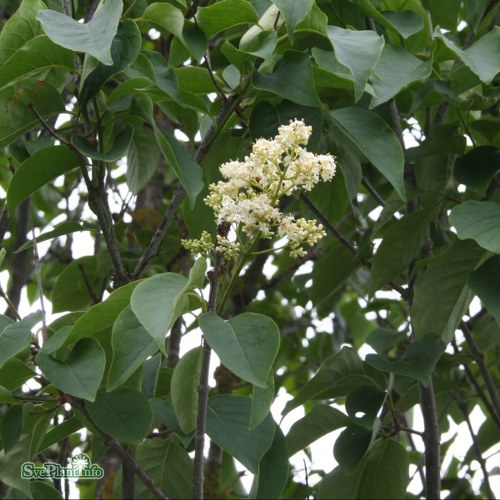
(248,196)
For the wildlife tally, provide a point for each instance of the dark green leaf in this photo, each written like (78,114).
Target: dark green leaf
(294,11)
(246,344)
(357,50)
(479,220)
(373,138)
(321,420)
(42,490)
(406,22)
(485,283)
(166,17)
(157,302)
(169,465)
(184,389)
(299,89)
(17,336)
(80,373)
(132,345)
(441,292)
(225,14)
(363,405)
(123,413)
(16,107)
(59,432)
(11,426)
(14,373)
(351,445)
(477,168)
(227,425)
(94,37)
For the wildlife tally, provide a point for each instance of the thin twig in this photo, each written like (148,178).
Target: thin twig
(10,305)
(373,191)
(47,127)
(40,288)
(86,281)
(4,223)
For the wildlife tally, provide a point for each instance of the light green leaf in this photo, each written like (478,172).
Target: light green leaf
(375,139)
(132,345)
(59,432)
(482,57)
(294,11)
(417,362)
(118,149)
(41,168)
(166,17)
(246,344)
(186,169)
(400,245)
(480,221)
(262,399)
(227,425)
(123,414)
(337,375)
(485,283)
(272,477)
(359,51)
(299,89)
(159,458)
(80,373)
(184,389)
(155,67)
(157,302)
(101,316)
(321,420)
(17,336)
(225,14)
(387,82)
(441,292)
(20,28)
(16,107)
(406,22)
(38,54)
(94,37)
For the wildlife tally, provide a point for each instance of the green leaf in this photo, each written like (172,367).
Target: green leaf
(94,37)
(262,399)
(337,375)
(227,425)
(225,14)
(16,107)
(321,420)
(247,344)
(441,292)
(363,405)
(186,169)
(20,28)
(17,336)
(143,156)
(80,373)
(299,89)
(36,55)
(42,490)
(400,245)
(477,168)
(184,389)
(120,145)
(482,57)
(101,316)
(59,432)
(372,137)
(169,465)
(387,83)
(357,50)
(14,373)
(11,462)
(41,168)
(382,473)
(294,11)
(485,283)
(67,227)
(417,362)
(79,284)
(124,50)
(123,414)
(132,345)
(11,427)
(157,302)
(351,445)
(272,477)
(480,221)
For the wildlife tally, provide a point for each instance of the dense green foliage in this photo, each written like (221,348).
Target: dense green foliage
(404,93)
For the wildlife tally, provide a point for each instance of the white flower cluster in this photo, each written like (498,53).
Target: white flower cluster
(249,196)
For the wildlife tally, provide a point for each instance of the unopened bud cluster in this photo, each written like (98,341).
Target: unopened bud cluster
(249,195)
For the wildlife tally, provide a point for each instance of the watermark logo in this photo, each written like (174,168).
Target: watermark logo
(80,466)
